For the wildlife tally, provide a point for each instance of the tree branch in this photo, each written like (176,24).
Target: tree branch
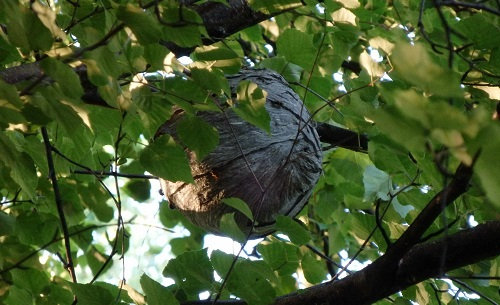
(375,282)
(341,137)
(412,235)
(59,203)
(407,262)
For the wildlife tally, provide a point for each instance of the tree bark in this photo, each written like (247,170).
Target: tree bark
(383,278)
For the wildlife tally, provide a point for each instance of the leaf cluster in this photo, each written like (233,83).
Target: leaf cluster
(419,78)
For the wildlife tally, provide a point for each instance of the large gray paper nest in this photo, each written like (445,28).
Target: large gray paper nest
(287,174)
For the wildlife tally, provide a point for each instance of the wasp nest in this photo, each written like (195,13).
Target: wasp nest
(273,173)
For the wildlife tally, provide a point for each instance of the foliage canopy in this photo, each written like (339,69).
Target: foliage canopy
(84,85)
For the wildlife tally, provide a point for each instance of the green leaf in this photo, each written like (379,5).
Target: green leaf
(7,223)
(21,166)
(187,33)
(295,231)
(8,53)
(139,190)
(156,294)
(166,159)
(47,16)
(49,101)
(314,269)
(186,36)
(239,205)
(198,135)
(251,105)
(155,55)
(33,280)
(36,228)
(218,55)
(407,133)
(192,271)
(94,198)
(25,29)
(169,217)
(10,116)
(9,95)
(18,296)
(145,27)
(248,281)
(95,260)
(230,228)
(488,163)
(297,47)
(101,69)
(222,262)
(281,257)
(273,6)
(91,294)
(211,79)
(483,33)
(289,71)
(59,295)
(415,66)
(64,75)
(377,184)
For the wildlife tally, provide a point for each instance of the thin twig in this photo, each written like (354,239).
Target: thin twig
(71,234)
(473,5)
(59,204)
(114,174)
(463,284)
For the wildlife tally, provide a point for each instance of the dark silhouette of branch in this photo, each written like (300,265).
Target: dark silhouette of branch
(466,286)
(380,279)
(102,173)
(477,6)
(412,235)
(59,203)
(408,261)
(341,137)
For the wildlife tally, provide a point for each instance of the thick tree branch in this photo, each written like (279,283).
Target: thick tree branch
(341,137)
(452,191)
(407,262)
(379,280)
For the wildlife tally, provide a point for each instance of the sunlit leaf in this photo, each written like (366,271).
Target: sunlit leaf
(64,75)
(144,26)
(415,65)
(239,205)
